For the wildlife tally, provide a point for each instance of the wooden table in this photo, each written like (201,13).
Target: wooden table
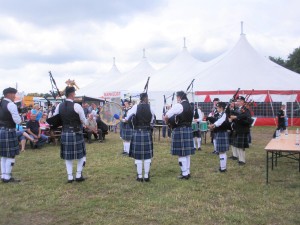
(284,146)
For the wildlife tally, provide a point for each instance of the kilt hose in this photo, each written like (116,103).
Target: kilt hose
(141,145)
(9,145)
(222,141)
(72,146)
(126,132)
(182,141)
(240,140)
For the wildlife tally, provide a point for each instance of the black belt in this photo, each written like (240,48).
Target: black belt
(71,129)
(7,129)
(142,128)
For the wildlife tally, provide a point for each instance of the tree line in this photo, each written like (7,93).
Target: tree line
(292,62)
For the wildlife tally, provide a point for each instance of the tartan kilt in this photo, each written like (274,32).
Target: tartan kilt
(240,140)
(141,145)
(182,141)
(72,146)
(197,134)
(126,132)
(222,141)
(9,145)
(230,135)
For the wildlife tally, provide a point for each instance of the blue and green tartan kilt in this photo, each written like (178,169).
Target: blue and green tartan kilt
(9,145)
(182,141)
(197,134)
(141,145)
(72,145)
(222,141)
(126,132)
(240,140)
(230,136)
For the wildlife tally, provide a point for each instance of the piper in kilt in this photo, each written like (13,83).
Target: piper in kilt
(197,134)
(221,135)
(9,145)
(126,130)
(72,141)
(241,124)
(212,117)
(182,135)
(141,145)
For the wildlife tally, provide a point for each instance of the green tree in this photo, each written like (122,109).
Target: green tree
(278,60)
(293,62)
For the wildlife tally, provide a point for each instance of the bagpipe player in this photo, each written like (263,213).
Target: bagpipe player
(221,136)
(141,145)
(126,130)
(182,136)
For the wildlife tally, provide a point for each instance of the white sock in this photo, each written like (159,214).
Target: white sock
(214,141)
(234,151)
(188,164)
(182,164)
(199,142)
(127,146)
(124,146)
(80,163)
(147,165)
(242,157)
(194,141)
(139,167)
(69,166)
(223,161)
(8,167)
(3,167)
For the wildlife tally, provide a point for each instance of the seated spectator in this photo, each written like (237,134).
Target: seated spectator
(43,123)
(22,136)
(103,127)
(34,130)
(36,110)
(92,128)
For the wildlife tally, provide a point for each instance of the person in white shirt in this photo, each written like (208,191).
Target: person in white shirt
(182,135)
(197,133)
(72,141)
(9,145)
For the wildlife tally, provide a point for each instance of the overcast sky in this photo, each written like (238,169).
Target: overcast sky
(78,39)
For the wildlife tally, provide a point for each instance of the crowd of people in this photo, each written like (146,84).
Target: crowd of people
(229,124)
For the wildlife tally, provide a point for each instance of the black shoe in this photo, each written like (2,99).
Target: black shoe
(11,180)
(222,171)
(125,154)
(233,158)
(147,179)
(214,152)
(181,177)
(139,179)
(100,141)
(241,163)
(80,179)
(189,175)
(70,181)
(199,149)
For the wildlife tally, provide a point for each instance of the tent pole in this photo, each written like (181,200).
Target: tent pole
(272,108)
(292,114)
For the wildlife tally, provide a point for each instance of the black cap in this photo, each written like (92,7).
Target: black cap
(241,98)
(9,90)
(69,90)
(143,96)
(221,105)
(126,100)
(216,100)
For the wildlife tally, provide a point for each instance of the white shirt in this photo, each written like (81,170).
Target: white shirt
(200,115)
(133,111)
(175,110)
(13,109)
(77,108)
(220,120)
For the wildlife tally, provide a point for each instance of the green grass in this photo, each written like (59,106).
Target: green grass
(112,196)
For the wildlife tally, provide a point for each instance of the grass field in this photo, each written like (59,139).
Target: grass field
(111,195)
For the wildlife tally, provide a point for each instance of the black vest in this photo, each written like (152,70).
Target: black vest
(6,119)
(186,117)
(68,115)
(143,115)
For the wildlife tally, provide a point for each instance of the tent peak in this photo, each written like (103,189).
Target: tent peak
(144,53)
(114,61)
(184,42)
(242,28)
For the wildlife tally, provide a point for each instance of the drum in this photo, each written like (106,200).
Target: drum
(203,126)
(111,113)
(195,126)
